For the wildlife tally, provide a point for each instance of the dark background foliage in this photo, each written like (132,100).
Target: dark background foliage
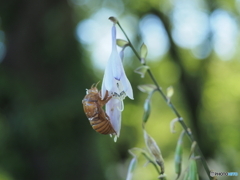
(44,72)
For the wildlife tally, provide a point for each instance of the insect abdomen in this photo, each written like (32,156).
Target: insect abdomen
(102,126)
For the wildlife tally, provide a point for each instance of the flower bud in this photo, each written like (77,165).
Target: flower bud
(172,125)
(170,92)
(122,43)
(143,53)
(113,19)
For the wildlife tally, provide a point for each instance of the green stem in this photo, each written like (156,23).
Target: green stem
(152,162)
(143,152)
(180,119)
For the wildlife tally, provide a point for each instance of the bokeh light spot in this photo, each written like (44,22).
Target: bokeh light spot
(190,25)
(154,36)
(225,32)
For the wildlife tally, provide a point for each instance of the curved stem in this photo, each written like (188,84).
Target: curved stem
(180,119)
(152,162)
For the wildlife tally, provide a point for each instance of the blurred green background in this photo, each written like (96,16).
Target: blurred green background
(52,50)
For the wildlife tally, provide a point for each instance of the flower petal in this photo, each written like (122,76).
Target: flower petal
(107,83)
(127,86)
(115,59)
(103,89)
(112,110)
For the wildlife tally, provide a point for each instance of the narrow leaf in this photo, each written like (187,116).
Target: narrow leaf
(193,174)
(147,88)
(186,176)
(131,168)
(150,160)
(192,148)
(141,70)
(147,110)
(154,150)
(178,155)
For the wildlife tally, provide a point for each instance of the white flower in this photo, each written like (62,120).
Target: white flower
(115,80)
(114,113)
(117,84)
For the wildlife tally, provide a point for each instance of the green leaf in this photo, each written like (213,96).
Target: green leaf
(141,70)
(147,110)
(194,143)
(193,174)
(147,88)
(132,166)
(178,155)
(154,150)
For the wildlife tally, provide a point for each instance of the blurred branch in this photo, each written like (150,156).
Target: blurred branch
(191,84)
(180,119)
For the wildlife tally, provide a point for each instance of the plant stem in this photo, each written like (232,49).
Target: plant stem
(180,119)
(152,162)
(144,153)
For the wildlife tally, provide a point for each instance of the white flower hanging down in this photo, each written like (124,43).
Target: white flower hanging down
(117,84)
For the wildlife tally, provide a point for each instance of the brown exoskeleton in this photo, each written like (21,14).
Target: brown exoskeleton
(92,106)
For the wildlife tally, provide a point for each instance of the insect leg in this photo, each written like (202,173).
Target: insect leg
(105,99)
